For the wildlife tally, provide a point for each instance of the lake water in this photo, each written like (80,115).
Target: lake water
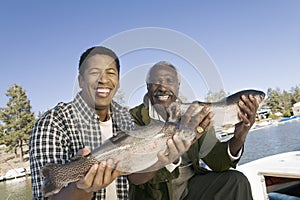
(260,143)
(16,189)
(272,140)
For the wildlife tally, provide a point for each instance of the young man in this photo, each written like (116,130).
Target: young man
(86,121)
(188,179)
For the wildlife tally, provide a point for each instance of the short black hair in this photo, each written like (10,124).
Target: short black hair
(94,51)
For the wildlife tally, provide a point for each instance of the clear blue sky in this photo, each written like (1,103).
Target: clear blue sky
(254,44)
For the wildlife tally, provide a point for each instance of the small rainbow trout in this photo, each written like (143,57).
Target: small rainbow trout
(225,111)
(137,150)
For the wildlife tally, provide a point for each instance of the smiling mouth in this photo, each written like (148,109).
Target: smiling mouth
(163,97)
(103,92)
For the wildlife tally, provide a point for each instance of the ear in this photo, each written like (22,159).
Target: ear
(148,86)
(117,88)
(80,80)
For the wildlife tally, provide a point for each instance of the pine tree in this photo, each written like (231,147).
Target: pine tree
(1,133)
(274,100)
(17,120)
(295,94)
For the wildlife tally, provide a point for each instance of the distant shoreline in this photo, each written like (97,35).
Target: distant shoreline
(9,162)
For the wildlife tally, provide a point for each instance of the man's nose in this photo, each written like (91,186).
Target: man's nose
(102,78)
(162,87)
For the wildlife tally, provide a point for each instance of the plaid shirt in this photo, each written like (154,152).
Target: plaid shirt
(62,131)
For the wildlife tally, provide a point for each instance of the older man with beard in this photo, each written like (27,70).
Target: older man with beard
(188,176)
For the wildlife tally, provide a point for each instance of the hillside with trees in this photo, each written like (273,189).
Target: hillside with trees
(282,101)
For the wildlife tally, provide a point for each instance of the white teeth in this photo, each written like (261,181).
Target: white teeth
(103,90)
(163,98)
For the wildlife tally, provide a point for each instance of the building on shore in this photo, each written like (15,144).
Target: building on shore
(296,109)
(264,112)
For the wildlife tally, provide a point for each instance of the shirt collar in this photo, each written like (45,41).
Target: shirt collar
(85,113)
(88,115)
(153,114)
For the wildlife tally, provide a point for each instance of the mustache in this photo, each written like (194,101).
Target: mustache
(162,93)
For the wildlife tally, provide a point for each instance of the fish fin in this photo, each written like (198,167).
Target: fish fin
(174,112)
(148,131)
(49,186)
(77,157)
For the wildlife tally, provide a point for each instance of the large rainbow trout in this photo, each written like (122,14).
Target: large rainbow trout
(137,150)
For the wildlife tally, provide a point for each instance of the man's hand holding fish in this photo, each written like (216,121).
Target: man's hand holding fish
(99,176)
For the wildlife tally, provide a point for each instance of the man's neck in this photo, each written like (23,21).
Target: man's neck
(103,114)
(158,112)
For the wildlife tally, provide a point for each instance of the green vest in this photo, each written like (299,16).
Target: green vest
(160,186)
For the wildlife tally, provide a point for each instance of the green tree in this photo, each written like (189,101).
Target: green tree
(1,133)
(17,119)
(274,100)
(295,92)
(286,103)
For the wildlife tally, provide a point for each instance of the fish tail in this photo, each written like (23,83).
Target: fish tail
(50,186)
(57,176)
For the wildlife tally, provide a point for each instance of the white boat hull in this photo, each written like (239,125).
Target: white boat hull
(285,165)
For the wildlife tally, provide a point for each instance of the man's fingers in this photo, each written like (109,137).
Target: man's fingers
(176,147)
(171,146)
(205,118)
(244,107)
(181,145)
(173,150)
(185,119)
(202,119)
(248,107)
(87,181)
(84,152)
(244,119)
(171,155)
(162,157)
(251,102)
(251,105)
(108,172)
(115,174)
(99,176)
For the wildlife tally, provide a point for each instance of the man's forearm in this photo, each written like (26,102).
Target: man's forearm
(72,192)
(235,144)
(140,178)
(145,175)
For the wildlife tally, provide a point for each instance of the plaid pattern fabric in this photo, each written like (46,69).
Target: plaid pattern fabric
(58,135)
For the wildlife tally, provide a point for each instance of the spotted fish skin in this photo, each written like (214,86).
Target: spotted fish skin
(57,176)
